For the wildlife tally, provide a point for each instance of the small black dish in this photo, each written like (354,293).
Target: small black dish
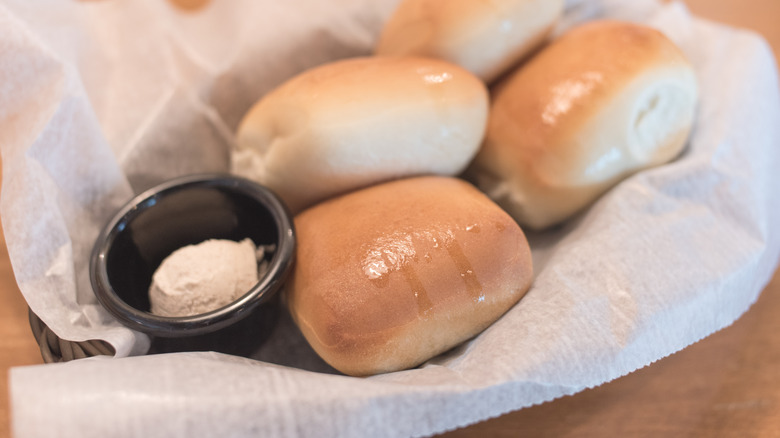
(180,212)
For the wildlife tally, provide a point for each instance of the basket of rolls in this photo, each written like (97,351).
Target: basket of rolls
(447,209)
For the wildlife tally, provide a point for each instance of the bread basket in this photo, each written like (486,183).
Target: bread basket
(54,349)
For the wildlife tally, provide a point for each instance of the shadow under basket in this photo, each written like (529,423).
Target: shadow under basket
(54,349)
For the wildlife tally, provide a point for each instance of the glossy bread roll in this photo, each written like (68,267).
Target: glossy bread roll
(357,122)
(485,37)
(392,275)
(604,101)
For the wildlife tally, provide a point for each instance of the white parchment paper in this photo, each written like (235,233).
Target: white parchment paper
(99,100)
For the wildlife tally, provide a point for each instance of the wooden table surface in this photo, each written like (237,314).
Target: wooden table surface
(727,385)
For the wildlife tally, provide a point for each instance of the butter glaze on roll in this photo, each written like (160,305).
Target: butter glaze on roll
(605,100)
(485,37)
(357,122)
(392,275)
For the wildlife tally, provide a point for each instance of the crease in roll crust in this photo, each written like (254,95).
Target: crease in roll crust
(486,37)
(389,276)
(356,122)
(604,101)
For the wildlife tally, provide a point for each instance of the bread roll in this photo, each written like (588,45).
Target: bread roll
(357,122)
(392,275)
(485,37)
(604,101)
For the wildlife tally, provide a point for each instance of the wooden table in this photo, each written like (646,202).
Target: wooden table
(727,385)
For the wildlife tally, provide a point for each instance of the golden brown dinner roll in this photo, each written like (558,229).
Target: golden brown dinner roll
(357,122)
(392,275)
(485,37)
(604,101)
